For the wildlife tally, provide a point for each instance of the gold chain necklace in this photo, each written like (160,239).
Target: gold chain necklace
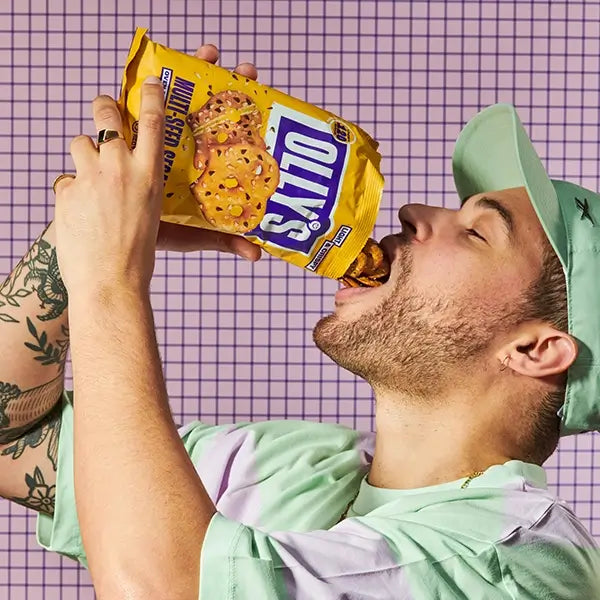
(470,478)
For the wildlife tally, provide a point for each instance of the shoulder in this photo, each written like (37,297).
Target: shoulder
(284,434)
(556,555)
(280,474)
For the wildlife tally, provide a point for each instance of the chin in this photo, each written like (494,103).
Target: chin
(347,342)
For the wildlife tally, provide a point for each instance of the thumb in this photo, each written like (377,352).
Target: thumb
(182,238)
(237,245)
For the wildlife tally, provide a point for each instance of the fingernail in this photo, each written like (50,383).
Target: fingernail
(153,79)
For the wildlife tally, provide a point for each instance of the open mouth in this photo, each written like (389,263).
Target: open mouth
(346,294)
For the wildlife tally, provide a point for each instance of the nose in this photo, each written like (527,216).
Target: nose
(418,219)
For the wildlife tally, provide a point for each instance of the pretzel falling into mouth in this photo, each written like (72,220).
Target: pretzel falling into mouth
(370,268)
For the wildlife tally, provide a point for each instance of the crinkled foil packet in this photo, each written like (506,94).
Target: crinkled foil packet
(247,159)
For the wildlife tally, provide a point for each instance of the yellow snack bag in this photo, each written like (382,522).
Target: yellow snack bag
(250,160)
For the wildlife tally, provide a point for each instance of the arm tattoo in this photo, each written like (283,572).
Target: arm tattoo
(49,354)
(43,271)
(8,294)
(40,496)
(48,427)
(41,274)
(21,410)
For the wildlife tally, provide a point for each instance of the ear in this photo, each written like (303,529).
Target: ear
(539,350)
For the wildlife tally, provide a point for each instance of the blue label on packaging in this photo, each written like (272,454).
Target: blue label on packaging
(311,167)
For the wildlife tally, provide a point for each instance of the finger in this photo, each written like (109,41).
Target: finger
(247,70)
(208,52)
(107,116)
(151,132)
(242,247)
(234,244)
(84,153)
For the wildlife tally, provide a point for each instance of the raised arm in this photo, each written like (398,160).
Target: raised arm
(34,332)
(34,338)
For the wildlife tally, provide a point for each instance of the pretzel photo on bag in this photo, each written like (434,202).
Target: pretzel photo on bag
(233,189)
(228,117)
(238,175)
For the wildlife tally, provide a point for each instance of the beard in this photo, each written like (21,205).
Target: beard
(410,344)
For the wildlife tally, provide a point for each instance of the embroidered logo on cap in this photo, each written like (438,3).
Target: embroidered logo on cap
(584,207)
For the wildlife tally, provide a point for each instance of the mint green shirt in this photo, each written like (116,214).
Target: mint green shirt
(280,488)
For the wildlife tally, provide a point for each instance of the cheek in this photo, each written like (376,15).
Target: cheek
(441,269)
(456,272)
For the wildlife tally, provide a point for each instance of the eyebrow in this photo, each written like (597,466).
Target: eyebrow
(500,209)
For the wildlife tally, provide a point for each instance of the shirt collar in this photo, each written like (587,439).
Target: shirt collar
(511,475)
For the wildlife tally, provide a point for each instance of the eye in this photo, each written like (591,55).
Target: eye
(476,234)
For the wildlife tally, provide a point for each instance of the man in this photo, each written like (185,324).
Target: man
(472,347)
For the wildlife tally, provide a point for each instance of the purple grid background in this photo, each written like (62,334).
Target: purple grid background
(411,73)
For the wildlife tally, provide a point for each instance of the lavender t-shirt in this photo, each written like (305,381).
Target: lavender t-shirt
(280,488)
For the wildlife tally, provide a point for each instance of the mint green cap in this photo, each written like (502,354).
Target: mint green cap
(493,152)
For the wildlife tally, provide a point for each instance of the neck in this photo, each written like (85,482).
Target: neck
(419,444)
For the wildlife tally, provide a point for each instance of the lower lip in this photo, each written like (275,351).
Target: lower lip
(349,292)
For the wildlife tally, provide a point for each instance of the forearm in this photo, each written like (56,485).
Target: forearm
(35,337)
(150,534)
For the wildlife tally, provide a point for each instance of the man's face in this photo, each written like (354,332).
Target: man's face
(456,287)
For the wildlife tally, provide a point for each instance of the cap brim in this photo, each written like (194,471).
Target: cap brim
(494,152)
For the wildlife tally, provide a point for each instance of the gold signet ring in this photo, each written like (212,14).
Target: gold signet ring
(106,135)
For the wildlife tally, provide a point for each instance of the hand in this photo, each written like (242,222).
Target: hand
(107,217)
(182,238)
